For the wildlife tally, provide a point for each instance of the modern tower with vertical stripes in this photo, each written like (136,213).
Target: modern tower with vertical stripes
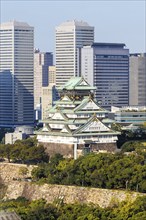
(70,38)
(16,74)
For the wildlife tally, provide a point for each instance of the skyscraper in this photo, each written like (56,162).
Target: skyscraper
(48,98)
(16,74)
(70,38)
(106,66)
(52,74)
(137,79)
(42,60)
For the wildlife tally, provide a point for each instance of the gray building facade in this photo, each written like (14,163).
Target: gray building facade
(137,79)
(106,66)
(42,61)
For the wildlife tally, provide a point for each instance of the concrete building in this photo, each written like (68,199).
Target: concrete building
(42,61)
(70,38)
(10,138)
(137,79)
(16,74)
(106,66)
(48,98)
(52,74)
(75,123)
(19,133)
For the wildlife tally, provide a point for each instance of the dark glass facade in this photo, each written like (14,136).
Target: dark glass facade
(111,78)
(106,66)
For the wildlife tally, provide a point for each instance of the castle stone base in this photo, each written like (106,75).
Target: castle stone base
(67,150)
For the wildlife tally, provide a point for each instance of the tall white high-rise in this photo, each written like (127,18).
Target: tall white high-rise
(70,38)
(16,74)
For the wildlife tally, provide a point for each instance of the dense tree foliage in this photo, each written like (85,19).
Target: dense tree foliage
(111,171)
(40,210)
(24,151)
(133,146)
(130,135)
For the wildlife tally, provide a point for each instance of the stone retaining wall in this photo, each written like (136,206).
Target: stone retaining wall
(67,194)
(9,171)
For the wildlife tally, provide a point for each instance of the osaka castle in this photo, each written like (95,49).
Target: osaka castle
(77,124)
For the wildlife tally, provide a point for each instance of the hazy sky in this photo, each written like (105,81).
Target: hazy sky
(114,21)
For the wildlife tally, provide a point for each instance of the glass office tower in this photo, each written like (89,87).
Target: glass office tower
(106,66)
(16,74)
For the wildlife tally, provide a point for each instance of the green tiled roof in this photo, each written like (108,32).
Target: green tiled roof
(96,134)
(88,122)
(54,133)
(75,83)
(66,102)
(71,111)
(90,111)
(69,122)
(85,102)
(77,135)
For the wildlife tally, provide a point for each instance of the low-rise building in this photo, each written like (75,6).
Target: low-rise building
(20,133)
(135,115)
